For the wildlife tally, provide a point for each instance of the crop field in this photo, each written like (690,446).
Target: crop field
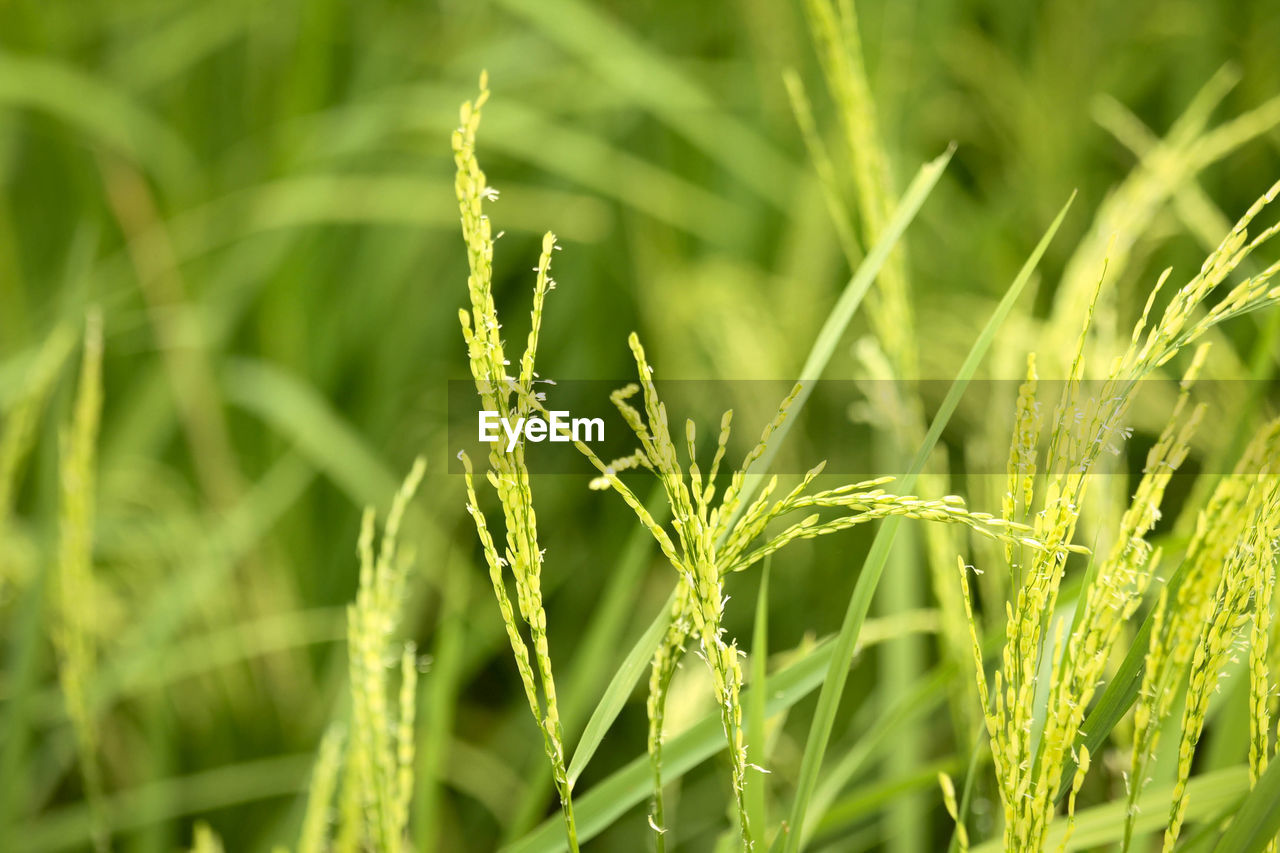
(555,425)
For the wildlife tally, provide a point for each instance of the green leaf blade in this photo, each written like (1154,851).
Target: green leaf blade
(860,601)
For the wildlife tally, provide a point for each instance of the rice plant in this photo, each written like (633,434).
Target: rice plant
(711,539)
(367,764)
(1030,764)
(74,630)
(1182,617)
(229,278)
(507,474)
(377,783)
(714,539)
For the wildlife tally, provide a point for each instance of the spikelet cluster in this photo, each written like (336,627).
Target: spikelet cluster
(1263,581)
(1242,590)
(1185,606)
(834,29)
(1030,764)
(314,836)
(835,34)
(709,539)
(512,397)
(1022,451)
(73,638)
(1249,559)
(377,779)
(1119,582)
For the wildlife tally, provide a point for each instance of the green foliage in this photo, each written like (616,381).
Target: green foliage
(250,219)
(72,630)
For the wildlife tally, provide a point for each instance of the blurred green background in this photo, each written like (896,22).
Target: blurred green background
(259,198)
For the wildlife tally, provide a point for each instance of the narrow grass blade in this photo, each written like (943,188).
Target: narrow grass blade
(828,338)
(100,112)
(155,57)
(525,132)
(639,71)
(441,687)
(206,651)
(23,646)
(966,798)
(145,641)
(838,320)
(600,807)
(868,800)
(1257,820)
(207,791)
(833,687)
(320,433)
(901,664)
(615,695)
(317,200)
(907,708)
(625,679)
(604,803)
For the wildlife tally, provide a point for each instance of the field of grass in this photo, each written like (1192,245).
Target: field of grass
(250,601)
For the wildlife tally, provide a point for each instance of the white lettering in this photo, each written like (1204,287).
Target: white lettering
(560,426)
(588,424)
(513,435)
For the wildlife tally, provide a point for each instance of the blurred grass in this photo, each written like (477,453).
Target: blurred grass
(259,200)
